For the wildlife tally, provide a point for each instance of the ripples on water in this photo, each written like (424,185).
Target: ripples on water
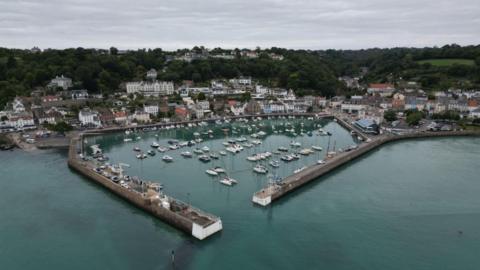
(400,207)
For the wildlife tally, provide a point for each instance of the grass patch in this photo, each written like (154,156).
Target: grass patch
(447,62)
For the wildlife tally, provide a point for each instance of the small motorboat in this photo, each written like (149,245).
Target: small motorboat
(321,161)
(198,151)
(141,156)
(274,163)
(127,140)
(204,158)
(295,144)
(187,154)
(219,169)
(162,149)
(316,147)
(260,169)
(211,172)
(136,149)
(223,153)
(283,149)
(151,153)
(167,158)
(300,169)
(228,181)
(155,145)
(205,149)
(214,156)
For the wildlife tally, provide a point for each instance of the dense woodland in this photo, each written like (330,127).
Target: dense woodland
(304,71)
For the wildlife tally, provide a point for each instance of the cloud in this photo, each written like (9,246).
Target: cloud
(172,24)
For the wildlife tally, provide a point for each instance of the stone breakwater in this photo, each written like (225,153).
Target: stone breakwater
(178,214)
(273,192)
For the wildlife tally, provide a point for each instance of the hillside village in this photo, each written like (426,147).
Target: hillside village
(151,100)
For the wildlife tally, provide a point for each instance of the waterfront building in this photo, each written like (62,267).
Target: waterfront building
(89,117)
(151,109)
(141,116)
(60,81)
(367,126)
(120,117)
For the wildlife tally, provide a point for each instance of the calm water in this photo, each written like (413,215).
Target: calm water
(400,207)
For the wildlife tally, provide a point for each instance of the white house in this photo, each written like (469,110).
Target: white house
(152,74)
(21,121)
(237,109)
(62,82)
(156,88)
(242,81)
(151,109)
(140,116)
(89,117)
(261,89)
(18,106)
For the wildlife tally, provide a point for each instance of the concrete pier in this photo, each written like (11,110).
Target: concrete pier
(172,211)
(275,191)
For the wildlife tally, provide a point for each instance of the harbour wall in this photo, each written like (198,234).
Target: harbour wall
(138,199)
(296,181)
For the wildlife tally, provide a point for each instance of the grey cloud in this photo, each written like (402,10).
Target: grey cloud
(172,24)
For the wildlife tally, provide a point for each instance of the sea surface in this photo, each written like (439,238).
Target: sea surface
(406,205)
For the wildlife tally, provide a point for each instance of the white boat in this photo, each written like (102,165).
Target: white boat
(161,149)
(226,143)
(127,140)
(248,145)
(211,172)
(305,152)
(274,163)
(260,169)
(187,154)
(155,145)
(318,148)
(205,149)
(198,151)
(167,158)
(173,147)
(136,149)
(256,142)
(321,161)
(219,169)
(228,181)
(223,153)
(300,169)
(295,144)
(141,156)
(253,158)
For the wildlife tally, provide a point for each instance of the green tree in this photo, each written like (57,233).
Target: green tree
(414,118)
(390,116)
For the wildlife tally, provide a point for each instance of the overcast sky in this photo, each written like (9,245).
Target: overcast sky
(172,24)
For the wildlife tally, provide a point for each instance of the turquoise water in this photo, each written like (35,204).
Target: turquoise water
(400,207)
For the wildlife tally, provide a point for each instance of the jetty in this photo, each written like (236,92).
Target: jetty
(147,196)
(276,190)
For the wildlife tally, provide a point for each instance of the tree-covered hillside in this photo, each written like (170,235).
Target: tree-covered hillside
(304,71)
